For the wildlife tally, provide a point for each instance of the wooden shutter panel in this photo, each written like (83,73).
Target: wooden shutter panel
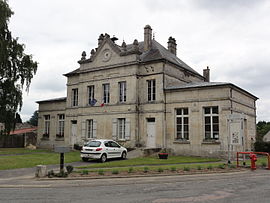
(127,129)
(83,135)
(94,129)
(114,129)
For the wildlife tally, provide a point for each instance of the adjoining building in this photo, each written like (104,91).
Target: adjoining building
(143,95)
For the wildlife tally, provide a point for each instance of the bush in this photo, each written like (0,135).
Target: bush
(100,172)
(130,170)
(69,169)
(232,166)
(85,172)
(77,147)
(160,170)
(115,172)
(263,164)
(61,174)
(221,166)
(51,174)
(145,169)
(210,167)
(186,168)
(261,146)
(173,168)
(199,167)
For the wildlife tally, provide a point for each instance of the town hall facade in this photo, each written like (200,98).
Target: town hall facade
(142,95)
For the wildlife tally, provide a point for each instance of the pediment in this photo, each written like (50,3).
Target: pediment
(108,53)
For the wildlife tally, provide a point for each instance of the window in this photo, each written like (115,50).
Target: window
(121,128)
(89,128)
(122,91)
(91,95)
(106,93)
(151,90)
(46,126)
(211,123)
(61,125)
(182,128)
(75,97)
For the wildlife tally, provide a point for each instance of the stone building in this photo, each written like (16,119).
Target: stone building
(143,95)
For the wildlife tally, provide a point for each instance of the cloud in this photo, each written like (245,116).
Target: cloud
(232,37)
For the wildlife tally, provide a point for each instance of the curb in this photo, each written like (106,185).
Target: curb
(140,176)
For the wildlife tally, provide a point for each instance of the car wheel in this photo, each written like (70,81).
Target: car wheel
(124,155)
(85,159)
(103,158)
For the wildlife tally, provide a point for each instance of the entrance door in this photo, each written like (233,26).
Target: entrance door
(151,133)
(73,133)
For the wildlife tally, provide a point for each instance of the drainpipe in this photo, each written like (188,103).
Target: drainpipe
(165,117)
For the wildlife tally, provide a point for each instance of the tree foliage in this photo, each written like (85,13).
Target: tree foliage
(16,70)
(34,119)
(262,128)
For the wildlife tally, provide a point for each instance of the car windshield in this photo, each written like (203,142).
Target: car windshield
(93,144)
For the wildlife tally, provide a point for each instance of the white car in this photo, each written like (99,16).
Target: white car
(103,150)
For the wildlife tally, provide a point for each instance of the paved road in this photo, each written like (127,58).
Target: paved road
(243,187)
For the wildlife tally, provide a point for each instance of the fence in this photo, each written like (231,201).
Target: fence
(11,141)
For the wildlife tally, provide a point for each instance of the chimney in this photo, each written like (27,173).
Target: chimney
(206,74)
(147,38)
(172,45)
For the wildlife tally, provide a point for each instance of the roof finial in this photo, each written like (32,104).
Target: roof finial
(154,35)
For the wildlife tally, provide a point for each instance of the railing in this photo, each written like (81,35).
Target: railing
(262,153)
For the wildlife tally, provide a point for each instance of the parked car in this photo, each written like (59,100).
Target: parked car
(103,150)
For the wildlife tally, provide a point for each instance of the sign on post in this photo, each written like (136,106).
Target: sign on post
(61,150)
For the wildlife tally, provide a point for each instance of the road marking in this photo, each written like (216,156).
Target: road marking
(201,198)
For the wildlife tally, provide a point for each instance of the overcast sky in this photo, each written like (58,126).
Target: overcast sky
(232,37)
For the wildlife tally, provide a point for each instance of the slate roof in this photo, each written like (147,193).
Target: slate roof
(53,100)
(157,52)
(198,85)
(205,85)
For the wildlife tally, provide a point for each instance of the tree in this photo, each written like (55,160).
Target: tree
(34,119)
(16,70)
(262,128)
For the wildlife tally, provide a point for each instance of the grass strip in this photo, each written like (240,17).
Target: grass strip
(149,161)
(31,160)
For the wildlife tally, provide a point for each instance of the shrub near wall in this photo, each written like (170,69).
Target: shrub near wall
(261,146)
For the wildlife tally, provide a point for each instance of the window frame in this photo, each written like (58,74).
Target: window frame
(106,93)
(182,116)
(151,90)
(75,97)
(121,128)
(47,123)
(61,125)
(91,93)
(211,115)
(89,128)
(122,86)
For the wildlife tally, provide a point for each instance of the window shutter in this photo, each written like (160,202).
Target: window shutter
(83,130)
(127,129)
(114,129)
(94,129)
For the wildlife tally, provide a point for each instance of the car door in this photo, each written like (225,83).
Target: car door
(109,150)
(117,149)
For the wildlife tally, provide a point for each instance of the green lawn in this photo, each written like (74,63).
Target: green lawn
(31,160)
(21,151)
(150,161)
